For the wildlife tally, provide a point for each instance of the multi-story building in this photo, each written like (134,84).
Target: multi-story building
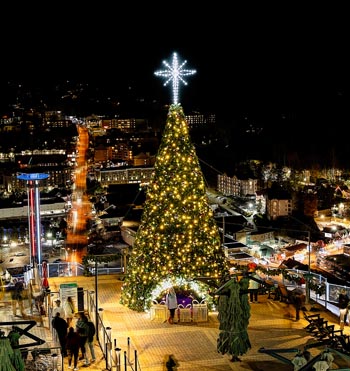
(52,162)
(124,176)
(278,207)
(232,186)
(197,120)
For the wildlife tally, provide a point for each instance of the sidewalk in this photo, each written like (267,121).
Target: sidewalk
(272,326)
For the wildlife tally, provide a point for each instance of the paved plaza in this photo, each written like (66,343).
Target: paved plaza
(193,345)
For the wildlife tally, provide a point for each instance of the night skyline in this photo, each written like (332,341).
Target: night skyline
(244,89)
(254,61)
(287,74)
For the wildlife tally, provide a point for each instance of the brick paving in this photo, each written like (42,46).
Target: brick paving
(272,325)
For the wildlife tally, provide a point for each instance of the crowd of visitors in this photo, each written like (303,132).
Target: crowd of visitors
(74,339)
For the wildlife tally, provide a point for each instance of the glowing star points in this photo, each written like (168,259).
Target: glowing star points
(175,73)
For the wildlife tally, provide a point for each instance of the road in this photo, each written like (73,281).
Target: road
(76,241)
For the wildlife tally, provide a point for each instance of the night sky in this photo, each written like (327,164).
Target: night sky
(271,67)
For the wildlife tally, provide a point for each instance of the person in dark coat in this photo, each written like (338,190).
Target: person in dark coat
(171,364)
(61,327)
(72,346)
(297,298)
(82,328)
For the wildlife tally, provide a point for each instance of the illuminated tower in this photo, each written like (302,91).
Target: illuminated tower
(34,223)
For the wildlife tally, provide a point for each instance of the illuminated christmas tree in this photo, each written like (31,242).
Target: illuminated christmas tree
(178,236)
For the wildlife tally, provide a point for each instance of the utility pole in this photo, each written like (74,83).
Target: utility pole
(95,259)
(96,299)
(223,215)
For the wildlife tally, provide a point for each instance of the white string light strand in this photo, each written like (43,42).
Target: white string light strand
(175,73)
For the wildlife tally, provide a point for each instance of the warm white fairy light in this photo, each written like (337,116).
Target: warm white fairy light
(175,73)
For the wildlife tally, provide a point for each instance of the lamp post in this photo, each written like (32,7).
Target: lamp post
(223,215)
(96,299)
(307,281)
(96,258)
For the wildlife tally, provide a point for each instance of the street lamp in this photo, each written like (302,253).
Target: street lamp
(223,215)
(307,281)
(96,258)
(96,299)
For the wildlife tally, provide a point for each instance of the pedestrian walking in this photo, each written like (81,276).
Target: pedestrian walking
(69,309)
(171,364)
(90,340)
(58,308)
(82,329)
(254,285)
(72,346)
(297,298)
(61,327)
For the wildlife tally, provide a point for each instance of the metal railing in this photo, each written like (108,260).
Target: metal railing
(329,299)
(117,359)
(110,350)
(112,354)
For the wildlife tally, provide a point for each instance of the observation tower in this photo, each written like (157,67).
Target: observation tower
(33,180)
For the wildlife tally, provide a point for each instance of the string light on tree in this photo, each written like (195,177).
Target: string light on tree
(175,73)
(178,237)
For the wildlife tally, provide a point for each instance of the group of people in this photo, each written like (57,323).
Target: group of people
(73,339)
